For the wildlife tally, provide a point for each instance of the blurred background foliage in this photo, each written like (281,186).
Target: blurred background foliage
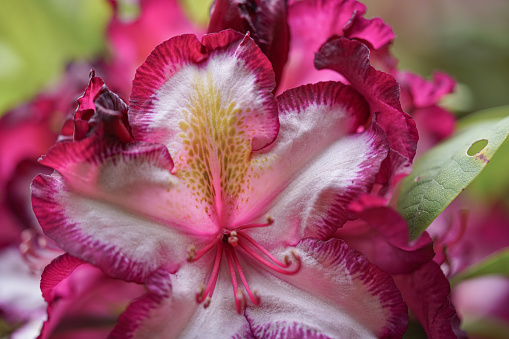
(469,40)
(465,38)
(38,38)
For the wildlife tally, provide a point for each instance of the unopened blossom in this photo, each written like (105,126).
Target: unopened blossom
(223,203)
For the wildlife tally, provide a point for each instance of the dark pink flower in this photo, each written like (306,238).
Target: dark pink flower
(100,112)
(421,98)
(228,188)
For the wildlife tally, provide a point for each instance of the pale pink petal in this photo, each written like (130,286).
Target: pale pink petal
(316,166)
(21,303)
(226,73)
(482,298)
(337,293)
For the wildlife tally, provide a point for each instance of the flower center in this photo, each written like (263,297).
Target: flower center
(228,243)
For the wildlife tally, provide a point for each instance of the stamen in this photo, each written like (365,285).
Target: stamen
(239,296)
(271,265)
(264,251)
(209,290)
(253,296)
(194,255)
(269,222)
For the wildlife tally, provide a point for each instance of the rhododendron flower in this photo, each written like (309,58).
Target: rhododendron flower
(224,203)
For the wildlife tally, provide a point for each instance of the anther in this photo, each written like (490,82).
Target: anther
(194,255)
(207,302)
(190,253)
(240,301)
(269,222)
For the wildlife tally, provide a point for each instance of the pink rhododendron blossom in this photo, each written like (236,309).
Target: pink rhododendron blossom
(225,202)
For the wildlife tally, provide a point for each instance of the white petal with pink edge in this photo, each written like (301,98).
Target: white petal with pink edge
(316,166)
(337,293)
(118,207)
(179,315)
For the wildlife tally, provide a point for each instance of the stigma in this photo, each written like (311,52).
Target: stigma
(231,244)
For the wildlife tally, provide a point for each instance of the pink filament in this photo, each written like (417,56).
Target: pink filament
(238,300)
(268,223)
(254,298)
(197,255)
(263,250)
(267,263)
(209,290)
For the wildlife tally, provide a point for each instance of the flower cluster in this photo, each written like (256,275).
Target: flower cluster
(242,189)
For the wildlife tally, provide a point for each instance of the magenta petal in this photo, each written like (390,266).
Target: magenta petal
(79,293)
(311,24)
(426,93)
(159,288)
(381,90)
(386,240)
(100,112)
(59,269)
(427,293)
(266,22)
(373,31)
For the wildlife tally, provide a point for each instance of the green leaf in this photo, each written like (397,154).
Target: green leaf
(497,263)
(484,188)
(485,327)
(197,10)
(444,171)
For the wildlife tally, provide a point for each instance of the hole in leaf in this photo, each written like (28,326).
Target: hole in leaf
(477,147)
